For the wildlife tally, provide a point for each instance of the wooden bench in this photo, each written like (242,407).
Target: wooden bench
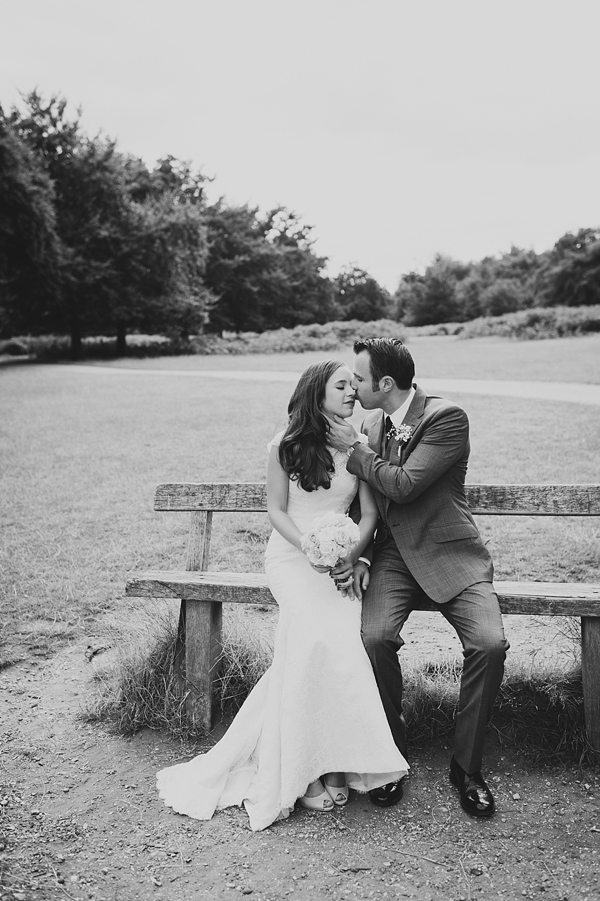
(202,592)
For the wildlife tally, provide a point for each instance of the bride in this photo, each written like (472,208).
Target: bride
(313,726)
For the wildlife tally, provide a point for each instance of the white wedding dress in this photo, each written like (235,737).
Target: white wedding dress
(317,708)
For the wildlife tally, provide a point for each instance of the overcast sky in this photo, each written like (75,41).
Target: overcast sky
(397,129)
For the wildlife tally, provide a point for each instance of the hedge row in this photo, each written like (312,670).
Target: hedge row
(537,323)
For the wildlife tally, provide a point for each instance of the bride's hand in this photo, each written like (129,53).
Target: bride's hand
(343,569)
(343,575)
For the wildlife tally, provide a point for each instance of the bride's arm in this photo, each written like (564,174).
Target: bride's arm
(277,500)
(369,515)
(351,575)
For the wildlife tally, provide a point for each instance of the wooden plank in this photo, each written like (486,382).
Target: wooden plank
(528,598)
(590,666)
(507,500)
(217,496)
(534,500)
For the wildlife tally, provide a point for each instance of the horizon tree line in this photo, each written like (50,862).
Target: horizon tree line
(93,241)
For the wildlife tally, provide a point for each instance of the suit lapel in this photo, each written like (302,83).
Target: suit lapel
(413,418)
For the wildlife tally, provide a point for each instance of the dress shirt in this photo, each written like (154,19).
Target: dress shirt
(398,416)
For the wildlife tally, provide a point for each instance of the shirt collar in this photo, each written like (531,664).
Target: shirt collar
(398,416)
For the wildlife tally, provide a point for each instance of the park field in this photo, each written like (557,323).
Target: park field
(82,452)
(560,360)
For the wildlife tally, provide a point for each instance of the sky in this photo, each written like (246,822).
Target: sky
(396,129)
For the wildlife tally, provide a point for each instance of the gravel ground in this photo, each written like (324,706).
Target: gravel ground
(79,819)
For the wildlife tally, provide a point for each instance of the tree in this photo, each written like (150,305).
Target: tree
(263,271)
(30,250)
(432,297)
(502,296)
(133,241)
(571,274)
(304,293)
(357,295)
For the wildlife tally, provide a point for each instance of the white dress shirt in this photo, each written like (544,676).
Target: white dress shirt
(398,416)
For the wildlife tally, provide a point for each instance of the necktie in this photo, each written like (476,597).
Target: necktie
(387,442)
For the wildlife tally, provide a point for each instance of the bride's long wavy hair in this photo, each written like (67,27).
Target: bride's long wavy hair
(303,451)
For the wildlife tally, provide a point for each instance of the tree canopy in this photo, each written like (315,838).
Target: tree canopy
(94,241)
(566,275)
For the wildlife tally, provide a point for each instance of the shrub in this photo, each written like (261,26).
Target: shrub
(326,337)
(14,347)
(536,323)
(441,328)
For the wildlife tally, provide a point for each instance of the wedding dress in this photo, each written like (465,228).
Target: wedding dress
(317,708)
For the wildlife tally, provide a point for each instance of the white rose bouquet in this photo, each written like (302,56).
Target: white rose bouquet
(330,538)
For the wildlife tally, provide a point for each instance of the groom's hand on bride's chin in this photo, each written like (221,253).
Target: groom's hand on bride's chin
(341,433)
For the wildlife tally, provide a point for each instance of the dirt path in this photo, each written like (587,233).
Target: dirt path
(80,820)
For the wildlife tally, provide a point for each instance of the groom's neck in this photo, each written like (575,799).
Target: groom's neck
(393,400)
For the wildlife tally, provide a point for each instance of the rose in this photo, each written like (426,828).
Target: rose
(330,538)
(341,536)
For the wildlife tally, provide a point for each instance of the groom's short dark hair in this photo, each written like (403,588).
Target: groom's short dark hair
(388,356)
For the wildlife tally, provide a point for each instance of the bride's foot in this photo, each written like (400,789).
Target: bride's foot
(337,788)
(316,797)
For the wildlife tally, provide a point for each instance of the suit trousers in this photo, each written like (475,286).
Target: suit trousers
(475,615)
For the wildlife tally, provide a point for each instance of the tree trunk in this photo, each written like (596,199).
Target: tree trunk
(75,340)
(121,340)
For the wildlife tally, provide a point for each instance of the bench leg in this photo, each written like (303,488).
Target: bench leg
(179,656)
(590,666)
(202,655)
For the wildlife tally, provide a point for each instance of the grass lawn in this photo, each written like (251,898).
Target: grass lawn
(560,360)
(82,454)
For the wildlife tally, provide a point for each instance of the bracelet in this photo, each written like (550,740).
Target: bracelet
(352,448)
(364,560)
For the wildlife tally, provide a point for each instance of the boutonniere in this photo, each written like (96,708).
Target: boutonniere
(401,433)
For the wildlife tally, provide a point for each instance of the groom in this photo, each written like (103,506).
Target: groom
(427,545)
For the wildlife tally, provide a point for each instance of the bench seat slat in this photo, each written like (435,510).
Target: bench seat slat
(542,598)
(484,500)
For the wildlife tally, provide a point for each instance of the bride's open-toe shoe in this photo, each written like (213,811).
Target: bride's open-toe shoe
(320,802)
(338,793)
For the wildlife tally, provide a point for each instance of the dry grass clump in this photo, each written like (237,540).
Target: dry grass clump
(538,713)
(134,686)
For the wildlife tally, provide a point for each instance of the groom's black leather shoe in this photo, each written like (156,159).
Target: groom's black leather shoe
(475,796)
(388,794)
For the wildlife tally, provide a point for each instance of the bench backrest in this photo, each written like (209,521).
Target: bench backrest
(506,500)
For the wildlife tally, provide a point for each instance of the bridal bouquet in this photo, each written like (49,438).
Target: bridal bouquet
(329,538)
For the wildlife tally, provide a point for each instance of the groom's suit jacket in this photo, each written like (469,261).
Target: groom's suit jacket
(421,498)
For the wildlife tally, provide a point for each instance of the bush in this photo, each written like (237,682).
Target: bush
(330,336)
(326,337)
(14,347)
(441,328)
(536,323)
(100,347)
